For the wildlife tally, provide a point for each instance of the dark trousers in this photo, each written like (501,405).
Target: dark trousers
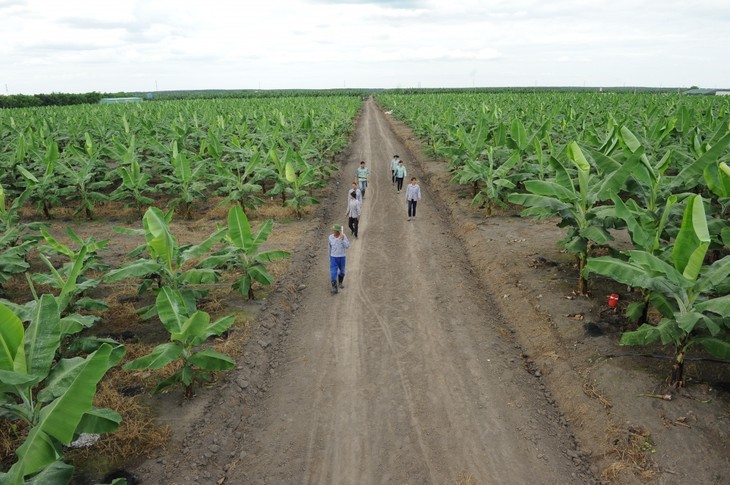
(412,208)
(352,223)
(399,183)
(393,172)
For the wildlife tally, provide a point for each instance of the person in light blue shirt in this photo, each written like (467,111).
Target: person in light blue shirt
(393,166)
(338,244)
(363,176)
(400,174)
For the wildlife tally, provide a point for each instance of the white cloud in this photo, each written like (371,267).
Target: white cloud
(78,46)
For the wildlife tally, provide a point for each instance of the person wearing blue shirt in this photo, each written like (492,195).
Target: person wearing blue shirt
(400,174)
(393,166)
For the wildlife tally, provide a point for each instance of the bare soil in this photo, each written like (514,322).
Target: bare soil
(457,353)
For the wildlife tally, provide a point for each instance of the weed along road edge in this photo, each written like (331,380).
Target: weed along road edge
(402,377)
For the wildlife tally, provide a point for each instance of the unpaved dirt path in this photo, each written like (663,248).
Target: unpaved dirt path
(407,376)
(402,376)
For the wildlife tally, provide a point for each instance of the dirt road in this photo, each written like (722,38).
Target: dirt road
(402,377)
(407,376)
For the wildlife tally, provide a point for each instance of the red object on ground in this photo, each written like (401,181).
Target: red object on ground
(613,300)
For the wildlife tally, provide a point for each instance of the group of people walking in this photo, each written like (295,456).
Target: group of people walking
(338,241)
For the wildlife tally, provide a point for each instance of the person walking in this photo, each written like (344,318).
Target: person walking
(356,191)
(354,208)
(400,174)
(363,176)
(413,195)
(393,166)
(338,244)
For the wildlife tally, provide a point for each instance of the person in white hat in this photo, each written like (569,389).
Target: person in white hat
(338,244)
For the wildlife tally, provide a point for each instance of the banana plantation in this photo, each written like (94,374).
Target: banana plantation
(652,165)
(157,160)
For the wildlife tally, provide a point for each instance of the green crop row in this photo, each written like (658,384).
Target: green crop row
(653,165)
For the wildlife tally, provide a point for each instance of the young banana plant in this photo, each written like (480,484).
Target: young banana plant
(84,180)
(135,183)
(45,189)
(189,329)
(302,180)
(166,264)
(575,200)
(186,183)
(490,181)
(683,289)
(52,395)
(242,253)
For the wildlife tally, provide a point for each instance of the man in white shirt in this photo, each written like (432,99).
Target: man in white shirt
(338,244)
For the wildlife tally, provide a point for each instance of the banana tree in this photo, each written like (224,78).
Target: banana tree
(237,180)
(167,262)
(15,239)
(45,188)
(189,329)
(649,214)
(683,289)
(279,172)
(489,180)
(72,278)
(186,183)
(575,200)
(243,254)
(302,179)
(135,183)
(53,396)
(83,177)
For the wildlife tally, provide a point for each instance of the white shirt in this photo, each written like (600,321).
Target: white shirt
(359,195)
(354,208)
(413,192)
(338,246)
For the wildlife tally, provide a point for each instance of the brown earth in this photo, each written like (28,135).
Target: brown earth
(456,354)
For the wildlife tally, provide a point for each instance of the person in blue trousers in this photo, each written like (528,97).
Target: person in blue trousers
(338,244)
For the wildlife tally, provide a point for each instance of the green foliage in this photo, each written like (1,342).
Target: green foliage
(185,183)
(135,183)
(54,396)
(15,239)
(189,329)
(575,200)
(166,264)
(71,278)
(242,253)
(237,179)
(683,289)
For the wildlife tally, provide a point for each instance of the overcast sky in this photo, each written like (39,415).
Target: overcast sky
(109,46)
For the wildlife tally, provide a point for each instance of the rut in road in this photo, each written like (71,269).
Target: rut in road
(402,377)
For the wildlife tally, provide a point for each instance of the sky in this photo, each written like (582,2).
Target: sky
(78,46)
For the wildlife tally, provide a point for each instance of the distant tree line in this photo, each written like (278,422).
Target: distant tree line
(244,93)
(53,99)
